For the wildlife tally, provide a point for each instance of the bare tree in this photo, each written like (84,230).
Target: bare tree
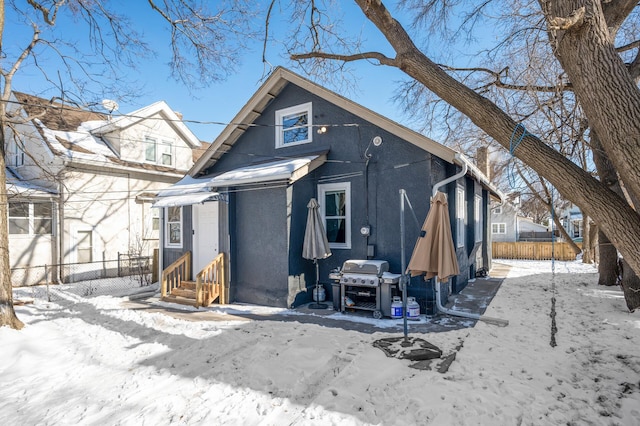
(580,35)
(205,45)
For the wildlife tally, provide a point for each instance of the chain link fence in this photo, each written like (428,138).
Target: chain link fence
(125,275)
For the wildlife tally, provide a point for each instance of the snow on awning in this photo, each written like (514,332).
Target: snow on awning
(185,199)
(191,190)
(290,169)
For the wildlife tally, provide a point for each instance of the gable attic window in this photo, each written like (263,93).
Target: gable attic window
(293,125)
(158,151)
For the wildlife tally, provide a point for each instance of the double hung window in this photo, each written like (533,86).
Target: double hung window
(461,209)
(335,203)
(477,212)
(158,151)
(174,227)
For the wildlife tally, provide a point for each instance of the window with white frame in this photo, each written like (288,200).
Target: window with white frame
(498,228)
(84,248)
(461,209)
(335,208)
(497,210)
(294,125)
(151,221)
(30,218)
(477,212)
(174,227)
(158,151)
(15,154)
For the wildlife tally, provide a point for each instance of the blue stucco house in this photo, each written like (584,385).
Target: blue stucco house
(294,140)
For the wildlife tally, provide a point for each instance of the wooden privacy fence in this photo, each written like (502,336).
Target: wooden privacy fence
(532,251)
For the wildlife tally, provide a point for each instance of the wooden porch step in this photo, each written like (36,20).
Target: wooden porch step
(180,300)
(184,292)
(190,285)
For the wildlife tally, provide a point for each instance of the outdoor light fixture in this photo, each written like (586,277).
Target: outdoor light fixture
(322,129)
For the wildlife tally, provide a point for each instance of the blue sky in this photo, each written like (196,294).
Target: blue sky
(219,102)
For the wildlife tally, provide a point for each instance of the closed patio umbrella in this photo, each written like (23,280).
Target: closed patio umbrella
(315,245)
(434,253)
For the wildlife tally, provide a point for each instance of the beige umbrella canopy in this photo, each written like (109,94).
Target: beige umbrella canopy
(434,253)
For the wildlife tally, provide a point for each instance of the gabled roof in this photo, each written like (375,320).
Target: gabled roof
(272,87)
(137,116)
(56,115)
(76,133)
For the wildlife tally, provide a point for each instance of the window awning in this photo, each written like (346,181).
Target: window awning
(290,170)
(185,199)
(191,190)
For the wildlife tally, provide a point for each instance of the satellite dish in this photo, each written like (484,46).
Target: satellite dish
(109,105)
(377,141)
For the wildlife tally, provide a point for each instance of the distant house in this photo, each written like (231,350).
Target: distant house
(295,140)
(572,221)
(508,225)
(82,183)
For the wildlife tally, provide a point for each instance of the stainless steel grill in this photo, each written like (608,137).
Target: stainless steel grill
(366,285)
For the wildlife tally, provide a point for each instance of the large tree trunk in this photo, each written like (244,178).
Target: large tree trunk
(612,213)
(630,286)
(607,267)
(583,44)
(7,314)
(608,253)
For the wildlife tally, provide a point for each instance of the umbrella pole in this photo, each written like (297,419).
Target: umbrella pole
(403,261)
(317,304)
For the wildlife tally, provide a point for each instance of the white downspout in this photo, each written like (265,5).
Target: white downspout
(439,305)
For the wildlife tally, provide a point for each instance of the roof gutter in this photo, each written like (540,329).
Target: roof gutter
(458,159)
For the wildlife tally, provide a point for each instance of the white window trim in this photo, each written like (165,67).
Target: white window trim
(31,219)
(150,214)
(495,228)
(461,213)
(478,217)
(92,250)
(159,143)
(280,114)
(167,244)
(341,186)
(497,210)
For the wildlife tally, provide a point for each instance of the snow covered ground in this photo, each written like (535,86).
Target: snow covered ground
(93,361)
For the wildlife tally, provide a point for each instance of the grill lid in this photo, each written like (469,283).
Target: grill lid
(373,267)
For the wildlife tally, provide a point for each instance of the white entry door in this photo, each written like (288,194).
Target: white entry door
(205,238)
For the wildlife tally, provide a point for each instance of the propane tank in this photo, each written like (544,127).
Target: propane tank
(396,307)
(319,294)
(413,309)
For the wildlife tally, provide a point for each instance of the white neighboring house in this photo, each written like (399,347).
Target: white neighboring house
(91,179)
(507,224)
